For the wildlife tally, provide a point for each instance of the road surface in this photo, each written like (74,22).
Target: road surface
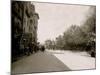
(39,62)
(75,60)
(54,60)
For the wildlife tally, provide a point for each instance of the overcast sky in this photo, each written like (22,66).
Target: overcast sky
(56,18)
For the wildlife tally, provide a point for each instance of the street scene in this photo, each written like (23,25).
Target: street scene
(52,37)
(53,61)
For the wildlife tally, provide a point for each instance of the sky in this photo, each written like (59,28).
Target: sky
(56,18)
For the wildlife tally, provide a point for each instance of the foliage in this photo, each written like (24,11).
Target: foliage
(50,44)
(78,37)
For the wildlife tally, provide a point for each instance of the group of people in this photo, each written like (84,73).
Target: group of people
(33,48)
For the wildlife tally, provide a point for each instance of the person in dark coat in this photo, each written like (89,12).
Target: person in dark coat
(31,48)
(42,48)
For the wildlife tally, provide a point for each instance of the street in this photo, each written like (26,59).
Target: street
(75,60)
(51,61)
(39,62)
(36,28)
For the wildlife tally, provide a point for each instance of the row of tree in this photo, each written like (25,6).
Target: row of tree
(81,37)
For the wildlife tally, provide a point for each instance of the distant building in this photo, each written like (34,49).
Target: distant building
(24,21)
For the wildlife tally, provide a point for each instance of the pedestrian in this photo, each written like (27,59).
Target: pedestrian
(42,48)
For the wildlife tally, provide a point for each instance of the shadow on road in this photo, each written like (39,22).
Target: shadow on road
(39,62)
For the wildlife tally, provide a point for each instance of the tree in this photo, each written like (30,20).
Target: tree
(59,42)
(89,28)
(50,44)
(74,37)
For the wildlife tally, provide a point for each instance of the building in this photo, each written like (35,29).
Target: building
(24,22)
(30,20)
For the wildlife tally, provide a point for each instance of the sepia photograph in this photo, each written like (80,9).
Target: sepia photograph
(52,37)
